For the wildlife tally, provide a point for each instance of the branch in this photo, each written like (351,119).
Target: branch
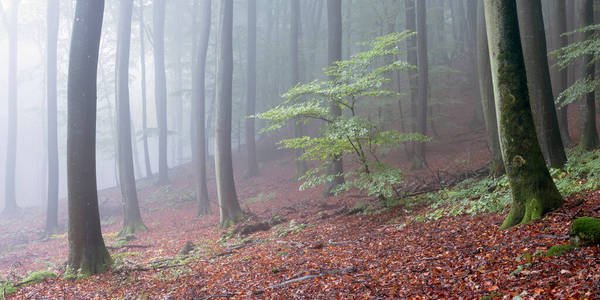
(128,246)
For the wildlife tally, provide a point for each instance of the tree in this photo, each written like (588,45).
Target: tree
(533,38)
(229,206)
(198,105)
(160,88)
(295,25)
(132,218)
(144,98)
(251,91)
(411,57)
(11,24)
(334,49)
(419,160)
(87,252)
(589,133)
(533,191)
(52,9)
(486,92)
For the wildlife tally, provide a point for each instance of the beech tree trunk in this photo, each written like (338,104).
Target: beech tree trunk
(160,89)
(230,211)
(87,252)
(534,193)
(419,160)
(295,25)
(411,56)
(587,107)
(198,105)
(334,23)
(560,76)
(533,38)
(132,218)
(52,115)
(251,91)
(486,91)
(144,97)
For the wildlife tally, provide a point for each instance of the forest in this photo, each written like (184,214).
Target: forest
(312,149)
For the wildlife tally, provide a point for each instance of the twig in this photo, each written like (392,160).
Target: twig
(127,246)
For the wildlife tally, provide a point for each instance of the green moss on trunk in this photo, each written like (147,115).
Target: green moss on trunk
(585,232)
(132,228)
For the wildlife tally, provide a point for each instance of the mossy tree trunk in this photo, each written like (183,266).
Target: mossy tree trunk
(199,104)
(533,38)
(132,218)
(229,206)
(589,133)
(87,252)
(486,91)
(533,191)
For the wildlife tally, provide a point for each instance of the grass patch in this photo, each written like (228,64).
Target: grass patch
(558,250)
(261,197)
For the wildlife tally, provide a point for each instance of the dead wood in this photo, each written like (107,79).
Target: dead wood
(128,246)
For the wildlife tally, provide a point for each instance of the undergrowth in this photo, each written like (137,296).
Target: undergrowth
(492,195)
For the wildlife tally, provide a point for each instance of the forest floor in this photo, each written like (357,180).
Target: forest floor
(346,246)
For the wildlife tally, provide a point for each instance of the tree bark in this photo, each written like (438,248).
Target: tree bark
(144,98)
(87,252)
(486,90)
(251,91)
(411,56)
(334,23)
(132,218)
(301,167)
(198,104)
(534,193)
(587,107)
(472,12)
(419,160)
(160,89)
(53,8)
(230,211)
(533,38)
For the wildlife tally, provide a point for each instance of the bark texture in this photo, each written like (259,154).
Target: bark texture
(160,88)
(411,57)
(419,160)
(251,91)
(587,107)
(52,114)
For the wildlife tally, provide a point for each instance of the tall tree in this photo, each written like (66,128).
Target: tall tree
(534,193)
(87,252)
(419,160)
(160,88)
(533,38)
(589,133)
(229,206)
(472,13)
(52,9)
(198,105)
(411,57)
(251,91)
(301,167)
(486,91)
(132,219)
(144,98)
(560,76)
(10,23)
(334,49)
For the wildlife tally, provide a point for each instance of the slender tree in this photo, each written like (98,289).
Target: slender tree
(229,206)
(411,57)
(486,91)
(132,219)
(419,160)
(160,88)
(52,9)
(560,76)
(87,252)
(11,23)
(533,38)
(534,193)
(144,97)
(199,104)
(589,133)
(334,23)
(301,167)
(251,91)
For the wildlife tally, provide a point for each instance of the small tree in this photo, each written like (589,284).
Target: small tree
(351,82)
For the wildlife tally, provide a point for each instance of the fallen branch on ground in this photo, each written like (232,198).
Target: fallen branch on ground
(127,246)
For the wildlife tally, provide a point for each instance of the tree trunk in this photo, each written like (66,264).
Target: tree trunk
(87,253)
(472,12)
(301,167)
(251,91)
(144,98)
(53,8)
(534,193)
(419,160)
(411,56)
(198,104)
(334,23)
(132,218)
(587,107)
(230,210)
(559,77)
(533,37)
(486,90)
(160,89)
